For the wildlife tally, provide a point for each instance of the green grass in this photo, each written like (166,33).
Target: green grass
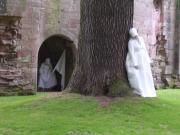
(73,114)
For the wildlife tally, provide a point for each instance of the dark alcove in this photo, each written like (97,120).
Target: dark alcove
(53,48)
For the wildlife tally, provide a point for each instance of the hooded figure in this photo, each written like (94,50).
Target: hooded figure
(47,79)
(138,66)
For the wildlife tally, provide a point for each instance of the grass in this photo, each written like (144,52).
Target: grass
(72,114)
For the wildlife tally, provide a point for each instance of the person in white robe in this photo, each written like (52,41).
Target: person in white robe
(47,78)
(138,66)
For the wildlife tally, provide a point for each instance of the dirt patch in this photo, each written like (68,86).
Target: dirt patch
(105,101)
(52,94)
(63,94)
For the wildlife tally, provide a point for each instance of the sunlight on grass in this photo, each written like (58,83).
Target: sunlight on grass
(72,114)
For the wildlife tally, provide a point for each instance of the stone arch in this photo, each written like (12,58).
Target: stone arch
(66,34)
(53,48)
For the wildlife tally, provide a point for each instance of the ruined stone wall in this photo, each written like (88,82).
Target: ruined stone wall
(177,39)
(9,46)
(32,31)
(169,31)
(169,11)
(40,20)
(155,20)
(148,21)
(176,70)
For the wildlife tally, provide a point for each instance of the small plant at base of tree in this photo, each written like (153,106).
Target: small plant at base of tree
(120,88)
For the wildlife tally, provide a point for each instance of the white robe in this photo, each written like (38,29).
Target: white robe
(140,79)
(47,78)
(61,68)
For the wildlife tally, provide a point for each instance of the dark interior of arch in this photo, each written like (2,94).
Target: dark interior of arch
(53,48)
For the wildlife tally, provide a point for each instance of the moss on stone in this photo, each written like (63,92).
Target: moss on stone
(23,4)
(53,15)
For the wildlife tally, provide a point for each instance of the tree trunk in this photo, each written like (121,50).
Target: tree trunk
(102,45)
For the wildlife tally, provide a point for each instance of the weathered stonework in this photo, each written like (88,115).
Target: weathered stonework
(156,22)
(11,73)
(9,47)
(148,20)
(42,19)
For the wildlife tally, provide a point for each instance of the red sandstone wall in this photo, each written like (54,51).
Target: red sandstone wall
(147,21)
(44,18)
(40,20)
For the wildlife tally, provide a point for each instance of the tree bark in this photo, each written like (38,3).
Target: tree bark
(103,41)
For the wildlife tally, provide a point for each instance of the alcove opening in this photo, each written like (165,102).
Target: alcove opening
(59,49)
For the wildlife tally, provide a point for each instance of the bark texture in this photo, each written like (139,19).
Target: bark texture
(102,45)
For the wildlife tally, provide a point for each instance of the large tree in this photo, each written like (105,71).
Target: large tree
(103,39)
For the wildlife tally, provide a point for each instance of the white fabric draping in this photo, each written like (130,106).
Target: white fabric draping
(138,66)
(60,67)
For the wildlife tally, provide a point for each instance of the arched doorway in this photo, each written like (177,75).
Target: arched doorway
(54,48)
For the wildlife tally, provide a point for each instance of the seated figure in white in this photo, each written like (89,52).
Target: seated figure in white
(47,79)
(138,66)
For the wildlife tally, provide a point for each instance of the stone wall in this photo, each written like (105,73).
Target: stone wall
(177,37)
(155,20)
(176,73)
(148,21)
(9,46)
(169,31)
(42,19)
(169,11)
(11,69)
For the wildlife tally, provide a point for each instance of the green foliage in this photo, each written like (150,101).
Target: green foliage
(16,91)
(120,88)
(43,114)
